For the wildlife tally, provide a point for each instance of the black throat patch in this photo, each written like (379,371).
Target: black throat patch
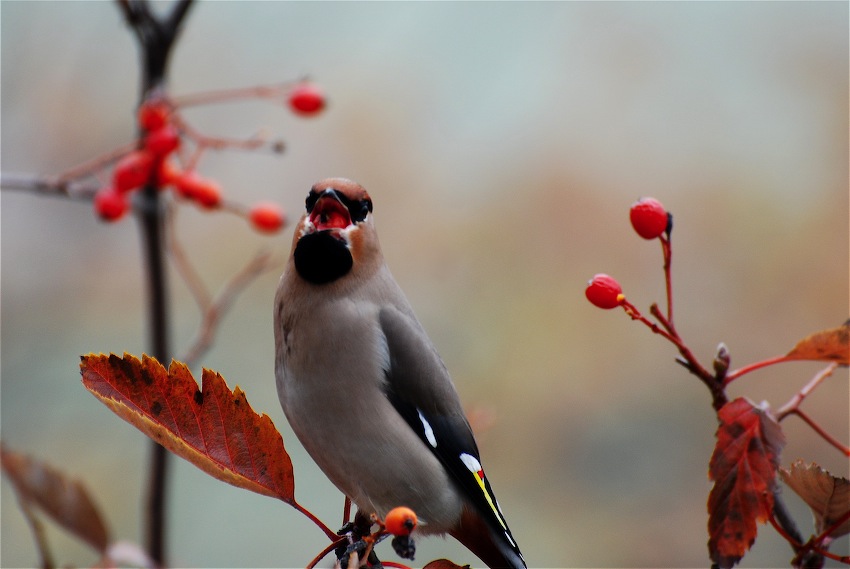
(321,258)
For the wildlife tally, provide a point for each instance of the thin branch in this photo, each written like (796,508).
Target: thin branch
(322,554)
(38,534)
(240,93)
(48,186)
(845,450)
(185,269)
(731,376)
(798,398)
(216,310)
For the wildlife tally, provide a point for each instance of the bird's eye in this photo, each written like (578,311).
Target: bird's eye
(359,210)
(312,198)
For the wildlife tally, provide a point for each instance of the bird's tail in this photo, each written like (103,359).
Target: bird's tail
(491,546)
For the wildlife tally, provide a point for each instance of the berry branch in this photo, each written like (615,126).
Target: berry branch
(750,476)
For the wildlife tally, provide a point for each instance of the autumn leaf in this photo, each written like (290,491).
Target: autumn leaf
(62,498)
(743,468)
(831,345)
(828,496)
(444,564)
(214,429)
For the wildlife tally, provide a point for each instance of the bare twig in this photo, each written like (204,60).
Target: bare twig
(219,306)
(795,401)
(38,533)
(241,93)
(48,186)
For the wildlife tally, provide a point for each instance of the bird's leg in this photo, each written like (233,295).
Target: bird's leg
(359,534)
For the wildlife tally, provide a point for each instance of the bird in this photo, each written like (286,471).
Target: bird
(364,389)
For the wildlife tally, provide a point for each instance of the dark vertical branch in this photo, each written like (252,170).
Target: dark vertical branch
(156,38)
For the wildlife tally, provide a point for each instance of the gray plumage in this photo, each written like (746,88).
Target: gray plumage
(357,377)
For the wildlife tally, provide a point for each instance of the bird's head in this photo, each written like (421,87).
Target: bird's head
(336,235)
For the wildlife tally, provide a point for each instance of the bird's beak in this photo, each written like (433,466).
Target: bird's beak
(330,213)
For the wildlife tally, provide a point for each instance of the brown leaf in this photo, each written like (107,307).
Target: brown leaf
(62,498)
(214,429)
(743,468)
(828,496)
(827,345)
(444,564)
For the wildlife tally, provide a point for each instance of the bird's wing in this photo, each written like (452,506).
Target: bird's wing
(419,387)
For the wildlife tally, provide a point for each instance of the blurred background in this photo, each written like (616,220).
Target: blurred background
(503,144)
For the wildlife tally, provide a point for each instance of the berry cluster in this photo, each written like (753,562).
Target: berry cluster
(155,161)
(651,221)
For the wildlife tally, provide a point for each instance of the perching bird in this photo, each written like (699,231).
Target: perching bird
(363,386)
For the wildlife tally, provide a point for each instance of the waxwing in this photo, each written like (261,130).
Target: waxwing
(363,386)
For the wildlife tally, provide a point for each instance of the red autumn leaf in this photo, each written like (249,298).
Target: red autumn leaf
(444,564)
(743,468)
(831,345)
(65,500)
(214,429)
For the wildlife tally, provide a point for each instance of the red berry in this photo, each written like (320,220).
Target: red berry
(132,171)
(267,217)
(648,217)
(110,204)
(400,521)
(153,114)
(162,141)
(167,171)
(603,291)
(306,99)
(203,191)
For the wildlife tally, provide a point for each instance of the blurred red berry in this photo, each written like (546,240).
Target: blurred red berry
(167,172)
(306,99)
(267,217)
(604,291)
(110,204)
(132,171)
(162,141)
(400,521)
(648,217)
(153,114)
(203,191)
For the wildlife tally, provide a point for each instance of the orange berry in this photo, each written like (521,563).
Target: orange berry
(167,171)
(203,191)
(400,521)
(267,217)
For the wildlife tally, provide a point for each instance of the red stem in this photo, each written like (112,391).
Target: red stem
(325,551)
(667,252)
(332,535)
(732,376)
(819,430)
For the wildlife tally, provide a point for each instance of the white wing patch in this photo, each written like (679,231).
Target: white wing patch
(429,432)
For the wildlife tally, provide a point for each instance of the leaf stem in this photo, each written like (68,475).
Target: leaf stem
(733,375)
(332,535)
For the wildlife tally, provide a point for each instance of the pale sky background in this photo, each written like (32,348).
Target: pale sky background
(502,144)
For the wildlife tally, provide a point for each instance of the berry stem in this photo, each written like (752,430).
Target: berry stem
(667,252)
(795,401)
(845,450)
(240,93)
(733,375)
(49,186)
